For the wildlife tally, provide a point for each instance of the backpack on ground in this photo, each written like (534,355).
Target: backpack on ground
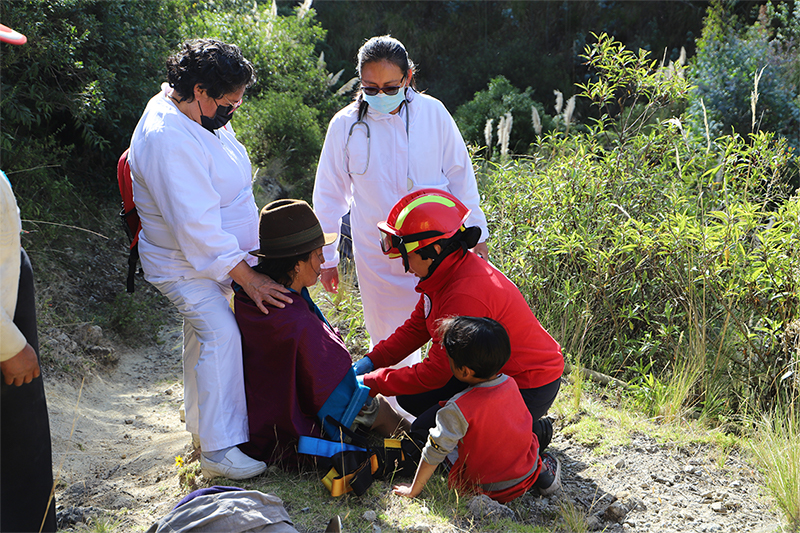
(128,214)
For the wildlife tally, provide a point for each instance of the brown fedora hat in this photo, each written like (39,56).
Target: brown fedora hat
(287,228)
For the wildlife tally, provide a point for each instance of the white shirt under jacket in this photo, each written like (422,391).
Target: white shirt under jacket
(432,154)
(194,195)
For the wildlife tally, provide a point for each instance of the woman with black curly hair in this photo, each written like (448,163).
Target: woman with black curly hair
(192,186)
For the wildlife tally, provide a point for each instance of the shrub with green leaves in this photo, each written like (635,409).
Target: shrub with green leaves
(729,58)
(639,249)
(72,95)
(499,98)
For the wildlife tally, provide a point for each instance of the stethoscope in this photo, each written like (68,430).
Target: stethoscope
(362,114)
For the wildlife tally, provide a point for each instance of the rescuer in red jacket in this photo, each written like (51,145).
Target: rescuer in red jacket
(426,230)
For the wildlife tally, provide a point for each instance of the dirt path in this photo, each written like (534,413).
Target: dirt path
(114,453)
(115,441)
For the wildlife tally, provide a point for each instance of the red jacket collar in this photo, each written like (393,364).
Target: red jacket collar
(441,275)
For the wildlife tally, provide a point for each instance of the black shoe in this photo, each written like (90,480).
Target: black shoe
(549,480)
(543,429)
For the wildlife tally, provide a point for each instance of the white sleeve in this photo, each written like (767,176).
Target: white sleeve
(177,174)
(451,426)
(460,173)
(12,341)
(332,187)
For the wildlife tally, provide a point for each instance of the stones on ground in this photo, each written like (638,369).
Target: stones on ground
(615,512)
(89,335)
(72,515)
(482,506)
(594,523)
(619,463)
(370,516)
(660,479)
(624,504)
(718,507)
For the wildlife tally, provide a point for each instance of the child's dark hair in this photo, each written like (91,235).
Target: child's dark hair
(478,343)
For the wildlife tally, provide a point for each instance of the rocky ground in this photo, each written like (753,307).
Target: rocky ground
(116,435)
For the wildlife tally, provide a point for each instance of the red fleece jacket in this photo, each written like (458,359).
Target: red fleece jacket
(464,285)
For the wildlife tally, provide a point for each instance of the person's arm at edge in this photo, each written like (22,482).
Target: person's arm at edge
(22,368)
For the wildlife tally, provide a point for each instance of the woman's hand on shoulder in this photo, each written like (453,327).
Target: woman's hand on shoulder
(260,288)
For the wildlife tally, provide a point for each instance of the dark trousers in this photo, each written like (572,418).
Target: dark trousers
(425,405)
(26,469)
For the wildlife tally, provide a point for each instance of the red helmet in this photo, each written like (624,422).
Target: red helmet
(419,219)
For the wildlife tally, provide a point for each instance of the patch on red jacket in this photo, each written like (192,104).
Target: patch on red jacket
(426,304)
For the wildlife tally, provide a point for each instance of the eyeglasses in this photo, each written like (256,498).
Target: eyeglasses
(388,91)
(233,105)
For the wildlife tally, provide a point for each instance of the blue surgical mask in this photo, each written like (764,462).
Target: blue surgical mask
(384,103)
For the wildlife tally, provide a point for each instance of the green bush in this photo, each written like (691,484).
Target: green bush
(283,133)
(287,110)
(499,98)
(730,56)
(72,95)
(646,250)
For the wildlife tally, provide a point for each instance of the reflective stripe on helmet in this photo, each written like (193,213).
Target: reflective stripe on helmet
(401,217)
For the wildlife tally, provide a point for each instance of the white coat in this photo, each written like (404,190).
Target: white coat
(193,192)
(431,154)
(199,219)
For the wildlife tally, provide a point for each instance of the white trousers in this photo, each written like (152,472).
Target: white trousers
(213,378)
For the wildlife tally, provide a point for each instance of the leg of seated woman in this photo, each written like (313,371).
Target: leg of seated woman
(388,422)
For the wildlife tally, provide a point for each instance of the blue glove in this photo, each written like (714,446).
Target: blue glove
(363,366)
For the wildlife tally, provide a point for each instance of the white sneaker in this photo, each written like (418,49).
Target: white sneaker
(235,465)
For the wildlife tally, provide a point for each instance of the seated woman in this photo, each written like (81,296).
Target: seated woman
(296,367)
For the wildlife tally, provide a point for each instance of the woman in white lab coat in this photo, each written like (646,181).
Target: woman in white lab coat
(390,141)
(193,193)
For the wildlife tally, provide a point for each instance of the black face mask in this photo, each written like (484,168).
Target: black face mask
(221,117)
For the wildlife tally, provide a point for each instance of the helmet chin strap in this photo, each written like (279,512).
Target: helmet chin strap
(463,240)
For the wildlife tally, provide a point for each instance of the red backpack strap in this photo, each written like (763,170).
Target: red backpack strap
(130,217)
(128,213)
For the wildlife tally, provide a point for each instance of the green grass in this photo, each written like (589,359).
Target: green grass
(776,446)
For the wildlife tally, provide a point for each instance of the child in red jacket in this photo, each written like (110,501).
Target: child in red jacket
(490,410)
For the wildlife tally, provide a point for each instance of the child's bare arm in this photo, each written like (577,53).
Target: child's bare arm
(424,473)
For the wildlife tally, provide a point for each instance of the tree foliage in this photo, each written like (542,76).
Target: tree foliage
(730,56)
(72,95)
(287,110)
(499,98)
